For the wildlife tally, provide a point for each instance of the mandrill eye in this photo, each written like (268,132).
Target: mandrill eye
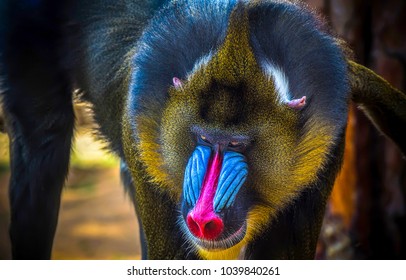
(235,144)
(204,139)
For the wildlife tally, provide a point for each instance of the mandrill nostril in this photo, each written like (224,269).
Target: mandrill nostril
(210,226)
(207,227)
(213,229)
(193,226)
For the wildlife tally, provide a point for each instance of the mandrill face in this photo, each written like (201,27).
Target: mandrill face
(213,178)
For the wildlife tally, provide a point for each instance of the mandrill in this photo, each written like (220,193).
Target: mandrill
(229,118)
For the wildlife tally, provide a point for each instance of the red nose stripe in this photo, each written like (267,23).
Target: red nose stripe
(202,220)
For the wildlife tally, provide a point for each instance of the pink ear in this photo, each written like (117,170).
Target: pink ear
(177,83)
(297,103)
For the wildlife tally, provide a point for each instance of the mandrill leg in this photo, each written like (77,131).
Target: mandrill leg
(39,113)
(40,159)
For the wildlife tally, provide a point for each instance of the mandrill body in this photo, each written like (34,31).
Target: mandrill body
(229,118)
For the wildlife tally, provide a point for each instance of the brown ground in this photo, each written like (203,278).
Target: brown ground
(97,220)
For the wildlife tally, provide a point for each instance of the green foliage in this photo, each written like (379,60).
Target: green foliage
(88,153)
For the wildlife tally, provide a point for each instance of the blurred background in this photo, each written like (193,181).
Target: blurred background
(366,216)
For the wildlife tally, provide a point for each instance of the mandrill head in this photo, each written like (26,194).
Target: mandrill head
(238,119)
(235,123)
(242,143)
